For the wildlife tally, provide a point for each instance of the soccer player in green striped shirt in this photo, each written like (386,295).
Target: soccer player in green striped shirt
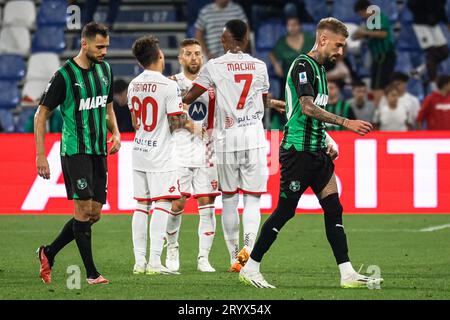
(303,156)
(82,88)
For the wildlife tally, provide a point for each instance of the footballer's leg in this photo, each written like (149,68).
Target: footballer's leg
(139,224)
(173,232)
(329,200)
(206,232)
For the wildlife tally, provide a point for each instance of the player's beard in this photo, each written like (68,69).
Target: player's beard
(330,62)
(193,69)
(92,58)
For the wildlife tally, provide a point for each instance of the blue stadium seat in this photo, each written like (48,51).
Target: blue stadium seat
(309,27)
(125,42)
(388,7)
(268,34)
(274,89)
(403,62)
(343,10)
(264,56)
(52,12)
(140,16)
(12,67)
(9,94)
(7,120)
(126,69)
(444,67)
(415,87)
(407,40)
(48,39)
(23,118)
(405,15)
(317,9)
(190,33)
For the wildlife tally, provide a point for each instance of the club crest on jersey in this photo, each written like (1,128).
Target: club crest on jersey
(81,184)
(294,186)
(197,111)
(214,184)
(302,76)
(172,189)
(105,80)
(229,122)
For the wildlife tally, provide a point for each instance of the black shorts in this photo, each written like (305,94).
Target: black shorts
(303,169)
(382,69)
(85,176)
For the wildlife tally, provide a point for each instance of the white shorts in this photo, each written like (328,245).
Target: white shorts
(244,170)
(199,182)
(153,186)
(429,36)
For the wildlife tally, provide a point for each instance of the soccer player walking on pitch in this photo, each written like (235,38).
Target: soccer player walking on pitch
(83,90)
(303,159)
(241,83)
(157,111)
(197,172)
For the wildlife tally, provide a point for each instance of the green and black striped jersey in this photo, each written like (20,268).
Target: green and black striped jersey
(306,77)
(82,95)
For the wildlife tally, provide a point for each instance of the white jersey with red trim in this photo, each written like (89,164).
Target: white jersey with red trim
(240,81)
(191,151)
(152,98)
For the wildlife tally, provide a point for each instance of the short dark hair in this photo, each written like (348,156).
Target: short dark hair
(361,5)
(389,88)
(399,76)
(119,86)
(358,83)
(442,80)
(237,28)
(189,42)
(92,29)
(146,50)
(333,25)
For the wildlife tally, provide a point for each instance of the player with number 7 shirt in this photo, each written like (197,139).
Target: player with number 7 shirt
(156,112)
(241,83)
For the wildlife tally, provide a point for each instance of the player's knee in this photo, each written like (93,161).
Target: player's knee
(332,207)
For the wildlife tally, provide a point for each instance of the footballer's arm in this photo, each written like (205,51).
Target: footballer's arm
(111,124)
(311,110)
(192,95)
(40,121)
(278,105)
(181,121)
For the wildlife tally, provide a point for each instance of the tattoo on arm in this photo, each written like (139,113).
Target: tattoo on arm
(313,111)
(178,122)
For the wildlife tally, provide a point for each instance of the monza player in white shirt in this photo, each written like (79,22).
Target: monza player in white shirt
(241,83)
(197,173)
(157,111)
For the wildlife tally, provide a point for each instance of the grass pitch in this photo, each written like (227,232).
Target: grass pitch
(413,263)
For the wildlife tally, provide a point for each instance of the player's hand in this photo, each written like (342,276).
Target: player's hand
(332,152)
(42,166)
(278,105)
(115,140)
(358,126)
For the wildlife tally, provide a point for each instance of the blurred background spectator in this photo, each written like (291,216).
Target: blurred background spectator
(337,105)
(120,103)
(435,111)
(362,108)
(380,41)
(210,23)
(390,115)
(426,18)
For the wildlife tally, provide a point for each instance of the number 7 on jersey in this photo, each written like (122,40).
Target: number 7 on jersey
(247,78)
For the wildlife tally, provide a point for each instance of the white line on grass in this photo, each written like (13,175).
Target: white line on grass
(431,229)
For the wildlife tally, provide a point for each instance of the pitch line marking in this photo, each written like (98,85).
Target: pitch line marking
(431,229)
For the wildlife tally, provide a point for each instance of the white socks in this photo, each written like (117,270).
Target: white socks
(158,227)
(346,269)
(251,220)
(139,229)
(206,229)
(230,224)
(252,265)
(173,227)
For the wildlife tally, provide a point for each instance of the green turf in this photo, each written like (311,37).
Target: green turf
(415,265)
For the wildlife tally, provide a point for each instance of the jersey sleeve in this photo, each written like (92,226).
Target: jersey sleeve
(204,79)
(129,95)
(266,83)
(174,106)
(303,77)
(55,93)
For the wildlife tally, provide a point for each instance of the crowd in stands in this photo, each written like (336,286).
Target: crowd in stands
(394,73)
